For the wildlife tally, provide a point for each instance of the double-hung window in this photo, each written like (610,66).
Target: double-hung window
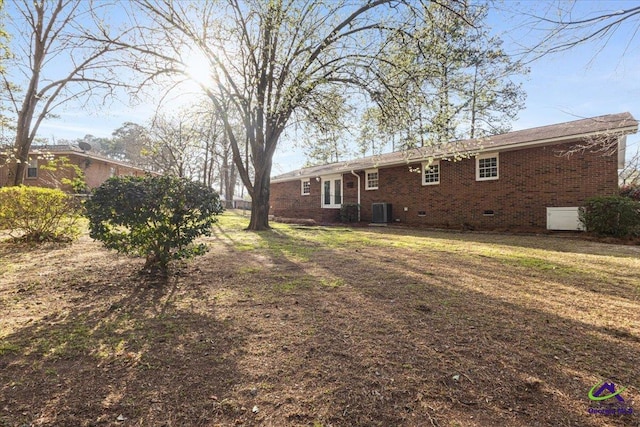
(487,167)
(306,187)
(431,173)
(371,179)
(332,191)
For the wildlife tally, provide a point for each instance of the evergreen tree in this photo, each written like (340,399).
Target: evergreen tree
(461,82)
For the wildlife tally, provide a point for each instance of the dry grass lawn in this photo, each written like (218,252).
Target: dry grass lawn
(311,326)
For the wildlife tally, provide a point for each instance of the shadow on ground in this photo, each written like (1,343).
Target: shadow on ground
(125,351)
(269,329)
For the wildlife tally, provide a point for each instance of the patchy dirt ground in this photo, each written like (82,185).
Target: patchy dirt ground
(309,326)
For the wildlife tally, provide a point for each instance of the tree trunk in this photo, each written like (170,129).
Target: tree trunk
(22,154)
(260,198)
(205,165)
(233,178)
(260,210)
(474,97)
(22,143)
(18,170)
(223,176)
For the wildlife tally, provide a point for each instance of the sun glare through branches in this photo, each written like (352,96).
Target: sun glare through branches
(198,69)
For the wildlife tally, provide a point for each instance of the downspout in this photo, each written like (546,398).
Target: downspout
(622,148)
(357,176)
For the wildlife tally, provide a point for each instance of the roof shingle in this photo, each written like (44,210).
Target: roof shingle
(622,123)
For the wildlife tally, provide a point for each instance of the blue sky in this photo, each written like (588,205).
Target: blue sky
(589,80)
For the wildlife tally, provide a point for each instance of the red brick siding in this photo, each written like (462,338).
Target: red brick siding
(96,172)
(529,181)
(287,201)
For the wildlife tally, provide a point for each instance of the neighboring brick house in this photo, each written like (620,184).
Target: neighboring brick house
(96,168)
(513,181)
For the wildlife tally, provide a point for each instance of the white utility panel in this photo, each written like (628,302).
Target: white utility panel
(564,218)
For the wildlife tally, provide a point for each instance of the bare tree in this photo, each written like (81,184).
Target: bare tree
(5,123)
(54,63)
(211,132)
(216,152)
(567,25)
(606,142)
(4,37)
(226,168)
(173,144)
(630,173)
(127,143)
(564,28)
(270,62)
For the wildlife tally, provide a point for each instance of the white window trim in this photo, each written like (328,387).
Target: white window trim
(332,179)
(302,187)
(366,179)
(487,156)
(425,165)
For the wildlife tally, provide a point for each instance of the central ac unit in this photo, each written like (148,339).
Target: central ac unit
(381,212)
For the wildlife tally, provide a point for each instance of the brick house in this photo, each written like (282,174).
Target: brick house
(515,181)
(96,168)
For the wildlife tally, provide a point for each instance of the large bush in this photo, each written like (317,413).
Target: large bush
(611,216)
(155,217)
(35,214)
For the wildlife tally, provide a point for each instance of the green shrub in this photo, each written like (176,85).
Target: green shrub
(349,212)
(35,214)
(611,216)
(61,172)
(155,217)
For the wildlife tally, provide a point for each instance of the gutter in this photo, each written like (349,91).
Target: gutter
(622,151)
(357,176)
(481,149)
